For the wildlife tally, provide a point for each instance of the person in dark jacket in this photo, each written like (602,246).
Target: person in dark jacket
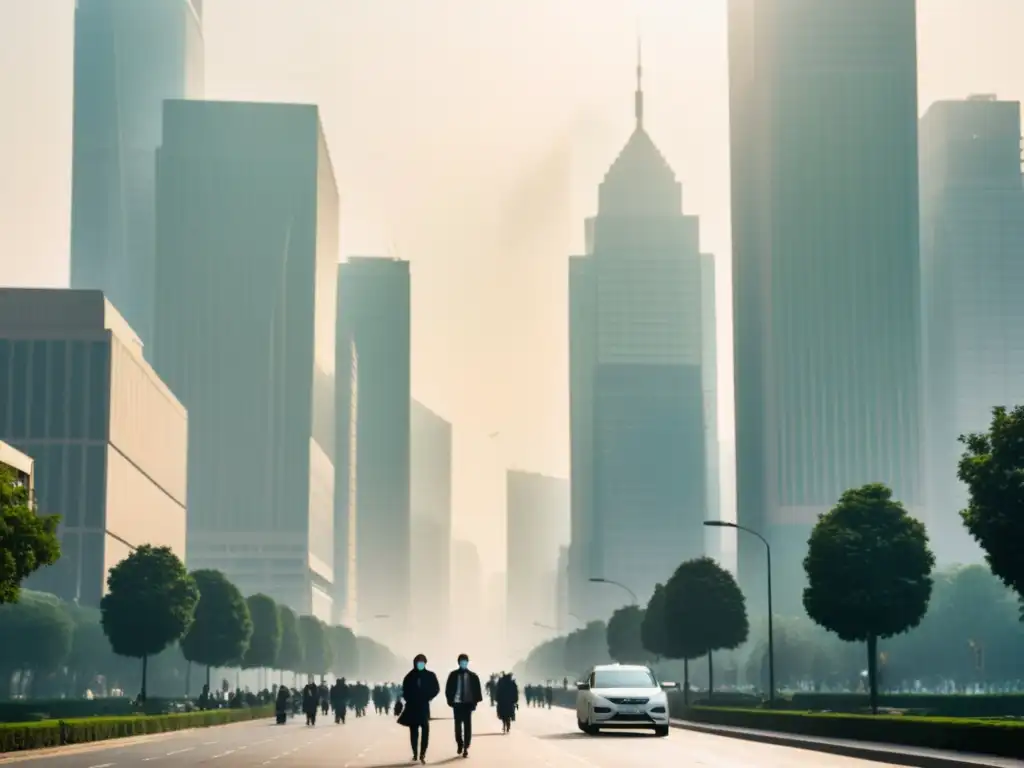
(419,688)
(339,700)
(310,701)
(507,694)
(463,693)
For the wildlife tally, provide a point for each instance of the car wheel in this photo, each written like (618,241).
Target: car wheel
(592,730)
(581,725)
(661,730)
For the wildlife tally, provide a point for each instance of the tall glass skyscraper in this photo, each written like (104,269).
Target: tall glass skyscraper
(823,103)
(130,55)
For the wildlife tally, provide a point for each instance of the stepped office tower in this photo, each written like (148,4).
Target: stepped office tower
(636,384)
(109,440)
(247,250)
(972,271)
(373,307)
(129,57)
(823,103)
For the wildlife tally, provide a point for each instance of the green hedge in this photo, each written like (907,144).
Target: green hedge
(943,705)
(66,709)
(1004,738)
(52,733)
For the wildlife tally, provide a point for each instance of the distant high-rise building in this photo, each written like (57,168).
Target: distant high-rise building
(247,249)
(639,464)
(972,271)
(562,611)
(709,372)
(468,605)
(537,525)
(109,440)
(346,462)
(373,310)
(129,57)
(823,104)
(431,522)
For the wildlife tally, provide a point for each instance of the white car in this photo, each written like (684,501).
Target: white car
(622,696)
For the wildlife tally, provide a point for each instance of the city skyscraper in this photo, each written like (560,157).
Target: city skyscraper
(108,438)
(972,272)
(247,250)
(638,443)
(709,373)
(346,461)
(129,57)
(466,612)
(823,103)
(374,311)
(431,522)
(537,525)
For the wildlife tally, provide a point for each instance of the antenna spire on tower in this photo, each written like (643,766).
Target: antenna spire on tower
(639,99)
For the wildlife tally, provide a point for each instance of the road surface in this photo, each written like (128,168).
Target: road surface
(539,739)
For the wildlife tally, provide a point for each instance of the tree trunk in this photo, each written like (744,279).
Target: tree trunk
(208,688)
(711,678)
(686,682)
(873,672)
(188,679)
(145,668)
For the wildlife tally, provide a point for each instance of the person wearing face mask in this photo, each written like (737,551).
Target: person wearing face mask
(419,688)
(463,693)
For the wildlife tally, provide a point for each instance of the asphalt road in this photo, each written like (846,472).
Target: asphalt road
(539,739)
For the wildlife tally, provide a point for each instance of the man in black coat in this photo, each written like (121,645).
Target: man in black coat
(463,693)
(419,688)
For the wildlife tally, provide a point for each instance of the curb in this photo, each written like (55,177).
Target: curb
(878,754)
(22,755)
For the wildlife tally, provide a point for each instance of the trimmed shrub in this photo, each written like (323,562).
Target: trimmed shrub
(52,733)
(941,705)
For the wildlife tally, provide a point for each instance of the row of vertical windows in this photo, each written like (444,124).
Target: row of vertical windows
(54,389)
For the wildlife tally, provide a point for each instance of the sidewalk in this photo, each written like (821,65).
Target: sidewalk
(894,754)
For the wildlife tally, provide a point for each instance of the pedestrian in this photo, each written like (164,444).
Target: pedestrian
(310,701)
(507,695)
(419,688)
(463,693)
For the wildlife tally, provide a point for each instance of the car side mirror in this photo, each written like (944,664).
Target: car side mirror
(583,686)
(668,686)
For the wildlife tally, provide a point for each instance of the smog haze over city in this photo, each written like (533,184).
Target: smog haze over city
(453,321)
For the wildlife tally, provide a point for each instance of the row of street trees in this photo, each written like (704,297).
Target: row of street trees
(869,572)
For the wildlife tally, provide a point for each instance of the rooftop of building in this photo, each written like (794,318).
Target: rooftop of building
(15,459)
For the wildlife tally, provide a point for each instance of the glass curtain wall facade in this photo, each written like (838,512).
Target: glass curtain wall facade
(247,244)
(373,306)
(129,57)
(823,98)
(972,271)
(109,440)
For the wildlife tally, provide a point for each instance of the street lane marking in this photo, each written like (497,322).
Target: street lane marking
(102,765)
(223,754)
(208,743)
(179,751)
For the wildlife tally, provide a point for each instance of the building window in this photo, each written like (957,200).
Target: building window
(19,389)
(78,386)
(95,486)
(73,490)
(51,472)
(37,422)
(58,390)
(5,385)
(93,571)
(99,368)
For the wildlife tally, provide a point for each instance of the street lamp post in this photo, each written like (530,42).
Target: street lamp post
(632,594)
(771,636)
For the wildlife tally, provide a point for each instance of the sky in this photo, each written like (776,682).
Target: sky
(468,136)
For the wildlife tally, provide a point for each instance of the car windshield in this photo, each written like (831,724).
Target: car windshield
(624,678)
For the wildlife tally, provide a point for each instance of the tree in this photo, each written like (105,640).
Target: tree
(705,611)
(265,643)
(652,627)
(292,655)
(869,571)
(28,541)
(90,650)
(624,636)
(344,651)
(319,654)
(36,637)
(221,628)
(992,467)
(149,604)
(586,647)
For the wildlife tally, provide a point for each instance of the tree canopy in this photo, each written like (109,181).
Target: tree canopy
(705,610)
(265,642)
(344,650)
(992,467)
(652,627)
(623,635)
(586,647)
(220,630)
(35,635)
(869,571)
(28,541)
(292,654)
(317,644)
